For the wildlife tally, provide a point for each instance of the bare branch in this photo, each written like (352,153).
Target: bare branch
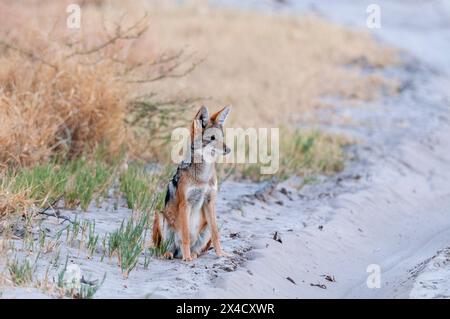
(167,73)
(28,54)
(142,109)
(132,32)
(163,58)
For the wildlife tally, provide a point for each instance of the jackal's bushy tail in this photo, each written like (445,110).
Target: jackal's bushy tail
(156,231)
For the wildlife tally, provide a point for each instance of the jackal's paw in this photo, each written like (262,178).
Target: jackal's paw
(187,258)
(222,254)
(168,255)
(194,255)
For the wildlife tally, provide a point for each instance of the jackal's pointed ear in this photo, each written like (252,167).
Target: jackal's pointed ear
(221,116)
(196,130)
(203,116)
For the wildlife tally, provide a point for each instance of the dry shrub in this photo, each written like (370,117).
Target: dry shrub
(63,92)
(51,101)
(45,110)
(12,201)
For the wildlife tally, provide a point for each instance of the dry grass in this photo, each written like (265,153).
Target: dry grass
(12,201)
(272,69)
(45,111)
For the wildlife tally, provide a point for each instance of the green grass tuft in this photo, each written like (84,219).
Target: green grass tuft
(142,189)
(21,272)
(302,153)
(128,242)
(43,183)
(87,181)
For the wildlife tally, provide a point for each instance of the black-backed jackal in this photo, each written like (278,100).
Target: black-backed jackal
(188,226)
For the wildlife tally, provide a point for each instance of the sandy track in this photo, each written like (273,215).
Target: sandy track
(398,219)
(397,215)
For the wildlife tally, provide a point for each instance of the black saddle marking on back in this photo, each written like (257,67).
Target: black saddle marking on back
(174,181)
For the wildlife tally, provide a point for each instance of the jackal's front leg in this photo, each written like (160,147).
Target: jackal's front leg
(184,211)
(210,214)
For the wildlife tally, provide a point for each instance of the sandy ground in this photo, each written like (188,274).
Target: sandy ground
(390,207)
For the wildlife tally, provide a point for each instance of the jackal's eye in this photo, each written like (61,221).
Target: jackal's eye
(213,138)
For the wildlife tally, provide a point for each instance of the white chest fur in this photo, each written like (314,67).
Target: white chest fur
(196,197)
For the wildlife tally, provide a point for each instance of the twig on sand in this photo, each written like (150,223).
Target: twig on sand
(55,213)
(291,280)
(322,286)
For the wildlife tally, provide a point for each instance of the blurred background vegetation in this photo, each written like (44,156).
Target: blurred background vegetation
(80,107)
